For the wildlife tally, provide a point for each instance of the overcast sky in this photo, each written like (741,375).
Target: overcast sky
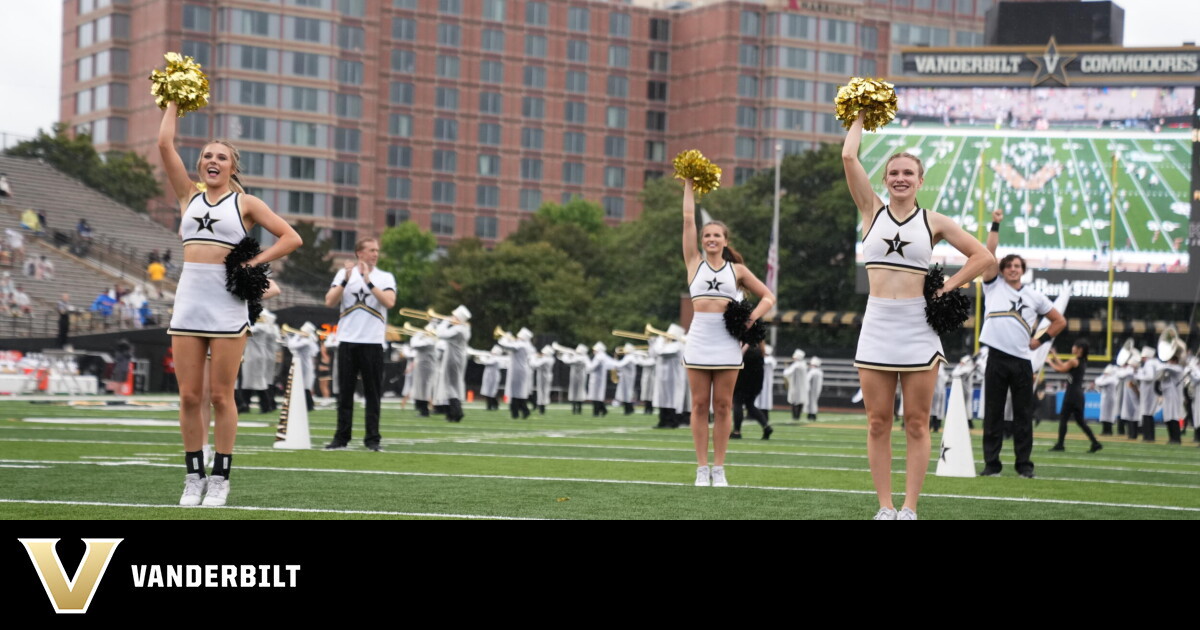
(31,52)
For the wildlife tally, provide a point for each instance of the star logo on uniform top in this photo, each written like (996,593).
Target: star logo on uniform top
(945,449)
(361,296)
(895,245)
(1017,305)
(714,285)
(206,222)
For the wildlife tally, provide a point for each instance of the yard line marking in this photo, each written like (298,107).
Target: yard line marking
(248,508)
(133,422)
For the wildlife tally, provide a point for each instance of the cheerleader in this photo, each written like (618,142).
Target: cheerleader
(207,318)
(896,342)
(713,356)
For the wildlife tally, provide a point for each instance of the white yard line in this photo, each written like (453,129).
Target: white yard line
(248,508)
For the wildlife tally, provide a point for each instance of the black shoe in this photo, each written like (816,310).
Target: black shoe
(375,447)
(989,473)
(662,426)
(334,446)
(767,431)
(735,436)
(1095,447)
(1057,447)
(1026,475)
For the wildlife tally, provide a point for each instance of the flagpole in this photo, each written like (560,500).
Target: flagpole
(773,250)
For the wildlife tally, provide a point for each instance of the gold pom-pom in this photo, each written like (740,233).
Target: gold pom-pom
(201,186)
(874,98)
(182,83)
(704,175)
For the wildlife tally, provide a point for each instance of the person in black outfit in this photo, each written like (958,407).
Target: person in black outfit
(1073,400)
(749,385)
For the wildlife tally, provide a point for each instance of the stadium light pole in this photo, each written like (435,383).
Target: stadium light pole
(773,251)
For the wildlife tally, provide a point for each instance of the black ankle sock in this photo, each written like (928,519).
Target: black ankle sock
(194,460)
(221,465)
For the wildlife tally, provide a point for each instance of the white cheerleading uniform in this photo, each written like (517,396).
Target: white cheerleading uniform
(709,345)
(895,336)
(203,307)
(1011,317)
(363,318)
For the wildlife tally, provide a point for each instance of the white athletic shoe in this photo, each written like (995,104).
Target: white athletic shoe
(718,477)
(906,515)
(702,476)
(193,489)
(210,454)
(885,514)
(218,491)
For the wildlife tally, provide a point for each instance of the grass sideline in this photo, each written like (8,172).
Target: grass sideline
(555,467)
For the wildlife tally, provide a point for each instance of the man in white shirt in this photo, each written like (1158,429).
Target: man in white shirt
(364,295)
(1011,316)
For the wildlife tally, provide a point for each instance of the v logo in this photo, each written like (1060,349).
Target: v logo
(72,596)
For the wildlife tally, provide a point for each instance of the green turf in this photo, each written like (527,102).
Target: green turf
(557,466)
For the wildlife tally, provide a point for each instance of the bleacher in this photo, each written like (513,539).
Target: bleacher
(122,240)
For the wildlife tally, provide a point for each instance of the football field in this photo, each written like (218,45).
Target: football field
(1056,189)
(60,461)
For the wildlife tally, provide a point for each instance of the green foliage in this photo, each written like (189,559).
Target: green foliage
(588,215)
(309,268)
(124,176)
(406,251)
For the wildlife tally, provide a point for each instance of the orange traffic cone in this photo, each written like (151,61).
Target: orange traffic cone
(127,386)
(43,380)
(470,395)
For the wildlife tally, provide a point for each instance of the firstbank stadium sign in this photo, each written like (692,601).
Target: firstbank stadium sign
(1051,65)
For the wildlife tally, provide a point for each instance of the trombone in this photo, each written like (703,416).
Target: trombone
(415,314)
(500,333)
(621,351)
(651,330)
(288,330)
(561,349)
(394,333)
(632,335)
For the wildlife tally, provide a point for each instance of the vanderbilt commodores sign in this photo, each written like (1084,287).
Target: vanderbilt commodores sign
(1051,65)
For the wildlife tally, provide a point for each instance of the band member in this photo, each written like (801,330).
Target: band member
(896,342)
(766,398)
(491,376)
(520,375)
(1170,380)
(713,356)
(1147,378)
(206,317)
(646,361)
(577,379)
(1011,313)
(1109,387)
(816,382)
(424,357)
(666,386)
(363,293)
(455,333)
(626,368)
(258,367)
(304,347)
(598,368)
(542,367)
(1131,397)
(796,376)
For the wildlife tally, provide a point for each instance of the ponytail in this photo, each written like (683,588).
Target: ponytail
(731,255)
(236,184)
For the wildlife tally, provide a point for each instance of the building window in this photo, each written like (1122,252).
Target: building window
(399,156)
(350,72)
(445,129)
(533,107)
(615,117)
(866,67)
(403,61)
(399,188)
(614,146)
(444,192)
(445,161)
(300,202)
(659,61)
(194,125)
(491,103)
(352,8)
(199,51)
(449,35)
(618,87)
(252,93)
(343,240)
(532,138)
(345,207)
(577,51)
(838,32)
(751,23)
(744,147)
(489,165)
(575,113)
(535,46)
(485,227)
(400,125)
(395,217)
(614,176)
(447,66)
(618,56)
(307,64)
(347,140)
(491,71)
(404,29)
(536,13)
(656,151)
(747,117)
(660,30)
(493,40)
(344,173)
(614,207)
(348,105)
(446,98)
(250,128)
(577,81)
(748,55)
(656,121)
(747,86)
(531,169)
(572,173)
(306,29)
(530,199)
(302,134)
(487,196)
(442,223)
(836,63)
(401,93)
(450,7)
(619,24)
(535,77)
(789,57)
(489,133)
(870,37)
(574,142)
(656,90)
(578,19)
(493,10)
(791,26)
(195,19)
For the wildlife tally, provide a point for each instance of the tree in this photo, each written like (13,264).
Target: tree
(406,251)
(309,268)
(588,215)
(124,176)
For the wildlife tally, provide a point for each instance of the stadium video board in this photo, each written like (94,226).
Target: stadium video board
(1065,162)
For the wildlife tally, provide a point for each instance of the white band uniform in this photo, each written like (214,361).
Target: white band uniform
(709,346)
(204,308)
(896,338)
